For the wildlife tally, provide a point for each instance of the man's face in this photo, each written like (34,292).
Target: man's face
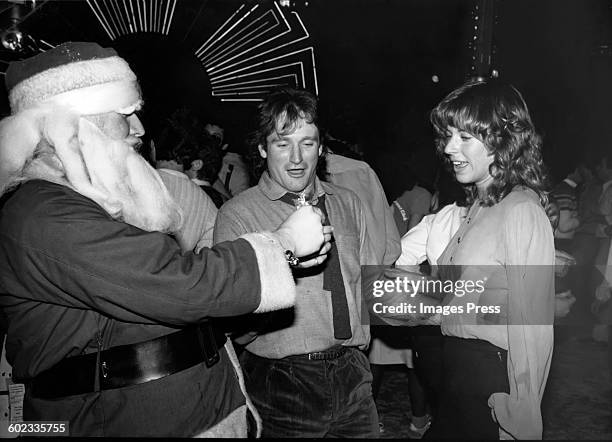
(292,157)
(121,125)
(215,131)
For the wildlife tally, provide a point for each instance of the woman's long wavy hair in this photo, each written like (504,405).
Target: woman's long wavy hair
(496,114)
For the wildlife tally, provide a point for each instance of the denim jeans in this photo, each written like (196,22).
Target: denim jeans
(300,398)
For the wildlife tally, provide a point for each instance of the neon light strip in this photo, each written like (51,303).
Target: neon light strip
(221,94)
(102,22)
(114,16)
(111,16)
(246,88)
(166,15)
(232,27)
(306,35)
(241,99)
(262,71)
(144,16)
(48,44)
(229,48)
(111,23)
(219,77)
(106,17)
(130,17)
(124,21)
(209,57)
(139,27)
(169,24)
(314,71)
(161,15)
(289,29)
(148,16)
(258,81)
(157,17)
(203,48)
(276,23)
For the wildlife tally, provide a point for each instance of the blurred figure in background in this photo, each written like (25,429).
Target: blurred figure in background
(203,161)
(233,175)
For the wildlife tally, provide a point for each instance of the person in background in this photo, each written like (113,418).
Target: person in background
(412,205)
(566,196)
(182,129)
(585,249)
(601,306)
(343,169)
(203,162)
(232,176)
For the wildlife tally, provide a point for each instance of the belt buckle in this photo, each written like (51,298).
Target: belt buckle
(208,344)
(325,355)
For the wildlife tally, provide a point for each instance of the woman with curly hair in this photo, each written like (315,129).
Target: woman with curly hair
(498,343)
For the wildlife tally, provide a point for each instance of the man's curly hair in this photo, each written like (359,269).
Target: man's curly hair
(285,107)
(497,115)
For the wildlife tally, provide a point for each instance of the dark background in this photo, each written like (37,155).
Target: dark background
(375,61)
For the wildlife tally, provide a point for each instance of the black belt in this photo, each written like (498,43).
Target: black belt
(126,365)
(325,355)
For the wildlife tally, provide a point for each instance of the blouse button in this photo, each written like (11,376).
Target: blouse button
(458,240)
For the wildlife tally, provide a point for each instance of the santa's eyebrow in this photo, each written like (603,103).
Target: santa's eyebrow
(131,109)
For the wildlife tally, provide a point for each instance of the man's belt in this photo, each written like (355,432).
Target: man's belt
(325,355)
(126,365)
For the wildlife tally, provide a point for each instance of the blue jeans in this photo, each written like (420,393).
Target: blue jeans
(300,398)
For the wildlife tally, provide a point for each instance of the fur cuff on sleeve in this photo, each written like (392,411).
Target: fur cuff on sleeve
(275,277)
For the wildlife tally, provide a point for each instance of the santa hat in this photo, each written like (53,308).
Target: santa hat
(51,90)
(83,77)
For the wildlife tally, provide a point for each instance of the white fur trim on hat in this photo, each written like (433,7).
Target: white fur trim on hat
(68,77)
(115,96)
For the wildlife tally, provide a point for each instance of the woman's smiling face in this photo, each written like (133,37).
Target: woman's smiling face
(469,156)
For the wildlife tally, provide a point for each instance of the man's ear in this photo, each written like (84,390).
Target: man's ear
(262,151)
(320,149)
(197,165)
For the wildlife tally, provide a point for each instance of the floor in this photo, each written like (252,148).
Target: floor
(577,404)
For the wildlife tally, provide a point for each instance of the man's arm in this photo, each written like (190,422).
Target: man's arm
(568,221)
(605,204)
(199,212)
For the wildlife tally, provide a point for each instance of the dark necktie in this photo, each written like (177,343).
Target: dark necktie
(332,276)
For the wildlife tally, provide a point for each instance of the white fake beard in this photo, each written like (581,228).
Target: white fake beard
(133,190)
(56,145)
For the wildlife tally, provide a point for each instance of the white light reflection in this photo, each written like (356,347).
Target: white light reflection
(124,17)
(258,47)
